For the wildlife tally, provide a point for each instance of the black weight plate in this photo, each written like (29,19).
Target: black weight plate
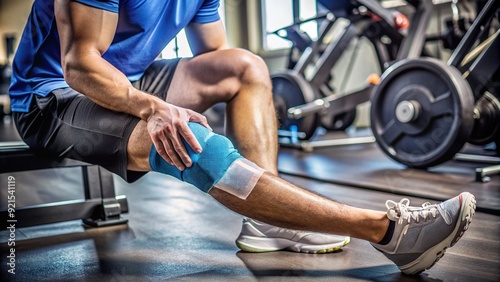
(487,125)
(338,122)
(445,118)
(291,90)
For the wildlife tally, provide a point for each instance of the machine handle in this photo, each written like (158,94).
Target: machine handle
(310,108)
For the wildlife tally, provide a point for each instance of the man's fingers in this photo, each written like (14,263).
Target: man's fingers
(188,135)
(165,148)
(161,150)
(196,117)
(167,134)
(178,154)
(181,152)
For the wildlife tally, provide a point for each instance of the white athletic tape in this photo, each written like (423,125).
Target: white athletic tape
(240,178)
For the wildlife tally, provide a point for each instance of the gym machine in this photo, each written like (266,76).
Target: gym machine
(302,95)
(101,207)
(424,110)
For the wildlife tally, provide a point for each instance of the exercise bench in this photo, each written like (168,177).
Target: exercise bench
(101,207)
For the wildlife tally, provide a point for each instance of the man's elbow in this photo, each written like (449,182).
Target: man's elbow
(72,70)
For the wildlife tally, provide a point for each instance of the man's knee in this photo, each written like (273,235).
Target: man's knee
(208,167)
(253,68)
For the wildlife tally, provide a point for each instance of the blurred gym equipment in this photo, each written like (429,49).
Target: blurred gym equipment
(424,110)
(303,97)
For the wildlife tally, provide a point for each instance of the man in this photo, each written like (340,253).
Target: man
(85,85)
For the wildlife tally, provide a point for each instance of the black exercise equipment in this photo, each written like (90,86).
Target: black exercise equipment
(101,207)
(290,90)
(424,111)
(308,77)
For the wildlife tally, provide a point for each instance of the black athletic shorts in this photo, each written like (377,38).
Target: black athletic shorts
(68,124)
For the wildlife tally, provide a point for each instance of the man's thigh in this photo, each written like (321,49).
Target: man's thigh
(202,81)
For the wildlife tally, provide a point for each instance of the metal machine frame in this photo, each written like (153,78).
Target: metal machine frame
(101,206)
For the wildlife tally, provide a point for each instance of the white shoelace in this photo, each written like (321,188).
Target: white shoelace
(402,211)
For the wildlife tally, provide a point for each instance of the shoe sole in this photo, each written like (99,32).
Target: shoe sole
(254,244)
(434,254)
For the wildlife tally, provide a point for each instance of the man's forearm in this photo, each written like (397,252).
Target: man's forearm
(107,86)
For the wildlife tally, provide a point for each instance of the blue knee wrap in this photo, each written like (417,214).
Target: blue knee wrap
(218,153)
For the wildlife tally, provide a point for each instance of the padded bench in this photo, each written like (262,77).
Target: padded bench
(101,207)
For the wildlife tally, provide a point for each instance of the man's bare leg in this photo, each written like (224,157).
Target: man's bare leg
(251,123)
(280,203)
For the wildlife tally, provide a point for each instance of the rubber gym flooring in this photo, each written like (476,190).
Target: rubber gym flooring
(176,233)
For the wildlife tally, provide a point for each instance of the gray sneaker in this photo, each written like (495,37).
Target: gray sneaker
(422,234)
(257,237)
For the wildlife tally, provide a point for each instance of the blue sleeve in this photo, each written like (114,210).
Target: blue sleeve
(108,5)
(208,12)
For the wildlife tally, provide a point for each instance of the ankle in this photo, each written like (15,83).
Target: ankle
(380,232)
(388,234)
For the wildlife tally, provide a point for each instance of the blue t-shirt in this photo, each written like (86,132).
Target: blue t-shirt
(144,28)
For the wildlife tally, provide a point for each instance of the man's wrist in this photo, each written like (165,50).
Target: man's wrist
(145,105)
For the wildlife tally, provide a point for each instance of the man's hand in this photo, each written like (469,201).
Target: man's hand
(167,125)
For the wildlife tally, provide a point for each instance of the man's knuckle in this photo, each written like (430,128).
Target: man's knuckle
(169,129)
(178,123)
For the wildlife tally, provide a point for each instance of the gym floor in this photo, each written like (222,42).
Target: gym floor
(177,233)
